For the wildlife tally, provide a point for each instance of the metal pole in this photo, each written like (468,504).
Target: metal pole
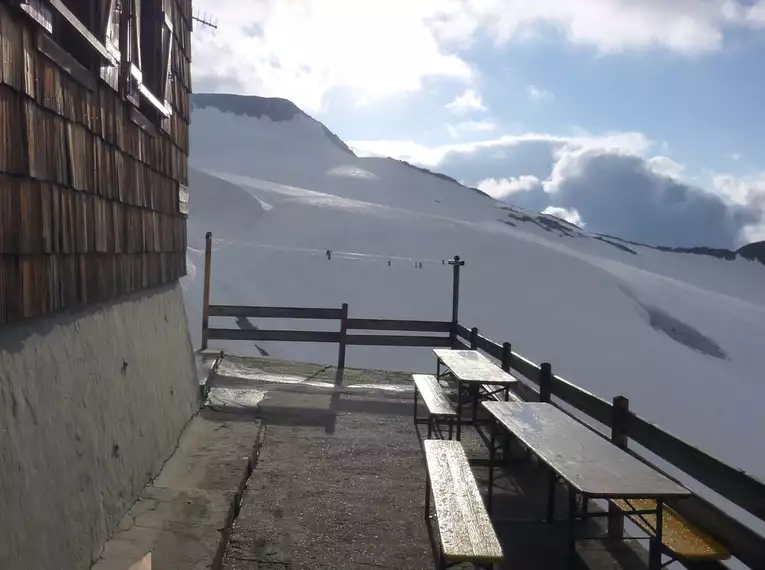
(206,294)
(456,263)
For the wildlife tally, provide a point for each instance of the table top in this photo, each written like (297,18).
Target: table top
(472,366)
(590,463)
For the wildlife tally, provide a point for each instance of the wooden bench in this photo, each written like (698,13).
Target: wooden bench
(465,530)
(681,539)
(439,407)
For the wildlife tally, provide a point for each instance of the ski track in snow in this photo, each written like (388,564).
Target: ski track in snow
(679,334)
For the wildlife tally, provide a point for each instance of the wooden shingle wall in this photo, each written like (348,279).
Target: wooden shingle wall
(88,198)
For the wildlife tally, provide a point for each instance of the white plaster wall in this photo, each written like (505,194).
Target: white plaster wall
(91,405)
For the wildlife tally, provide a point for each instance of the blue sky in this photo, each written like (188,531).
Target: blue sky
(528,100)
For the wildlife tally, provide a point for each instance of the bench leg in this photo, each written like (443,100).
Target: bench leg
(451,427)
(431,419)
(571,526)
(654,545)
(427,496)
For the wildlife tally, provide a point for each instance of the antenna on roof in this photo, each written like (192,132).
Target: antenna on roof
(206,20)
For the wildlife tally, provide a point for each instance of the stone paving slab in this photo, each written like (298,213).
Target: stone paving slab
(182,518)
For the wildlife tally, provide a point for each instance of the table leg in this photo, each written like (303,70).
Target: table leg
(459,410)
(571,547)
(474,393)
(584,508)
(438,369)
(551,496)
(654,546)
(492,457)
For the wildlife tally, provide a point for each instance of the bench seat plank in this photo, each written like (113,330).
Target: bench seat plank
(435,399)
(467,534)
(679,536)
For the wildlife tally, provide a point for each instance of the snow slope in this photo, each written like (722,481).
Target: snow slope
(679,334)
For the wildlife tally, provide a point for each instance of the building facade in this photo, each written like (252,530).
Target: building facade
(97,376)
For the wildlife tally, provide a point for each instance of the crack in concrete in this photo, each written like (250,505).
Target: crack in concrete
(320,371)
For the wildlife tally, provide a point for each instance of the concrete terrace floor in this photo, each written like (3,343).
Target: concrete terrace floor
(339,479)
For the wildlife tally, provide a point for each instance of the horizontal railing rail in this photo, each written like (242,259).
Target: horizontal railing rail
(275,312)
(274,335)
(397,340)
(735,485)
(399,325)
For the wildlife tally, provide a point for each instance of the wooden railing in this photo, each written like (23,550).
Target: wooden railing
(538,382)
(341,336)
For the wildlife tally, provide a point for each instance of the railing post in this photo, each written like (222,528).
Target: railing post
(619,411)
(343,337)
(206,293)
(545,382)
(456,263)
(507,351)
(473,338)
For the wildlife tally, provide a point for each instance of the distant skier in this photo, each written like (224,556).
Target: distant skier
(329,254)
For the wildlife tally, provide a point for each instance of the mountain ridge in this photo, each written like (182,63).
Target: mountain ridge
(275,108)
(279,109)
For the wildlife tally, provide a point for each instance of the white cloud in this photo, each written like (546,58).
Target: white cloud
(468,101)
(503,188)
(630,142)
(466,127)
(755,15)
(740,190)
(538,93)
(476,126)
(302,49)
(684,26)
(734,156)
(753,233)
(615,182)
(568,214)
(666,166)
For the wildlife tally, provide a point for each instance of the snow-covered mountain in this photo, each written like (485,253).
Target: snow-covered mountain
(679,334)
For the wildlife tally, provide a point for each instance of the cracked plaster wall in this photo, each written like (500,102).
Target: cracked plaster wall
(91,405)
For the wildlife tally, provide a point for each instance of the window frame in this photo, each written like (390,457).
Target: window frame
(122,50)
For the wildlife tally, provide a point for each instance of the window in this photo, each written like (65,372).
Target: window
(151,46)
(90,33)
(84,29)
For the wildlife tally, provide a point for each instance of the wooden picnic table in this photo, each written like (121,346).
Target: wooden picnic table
(589,464)
(471,370)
